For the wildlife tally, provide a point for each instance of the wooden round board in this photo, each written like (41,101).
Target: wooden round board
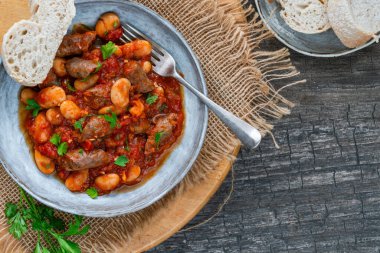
(183,207)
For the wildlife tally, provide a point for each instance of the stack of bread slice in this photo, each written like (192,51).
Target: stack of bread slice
(29,46)
(305,16)
(354,21)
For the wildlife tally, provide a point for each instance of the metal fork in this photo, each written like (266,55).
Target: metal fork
(164,64)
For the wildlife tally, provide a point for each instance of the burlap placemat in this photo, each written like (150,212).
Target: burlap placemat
(238,76)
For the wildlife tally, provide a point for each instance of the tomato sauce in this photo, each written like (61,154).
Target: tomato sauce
(127,143)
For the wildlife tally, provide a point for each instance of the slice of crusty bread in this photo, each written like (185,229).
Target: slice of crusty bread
(29,47)
(33,6)
(354,21)
(367,14)
(305,16)
(59,13)
(23,53)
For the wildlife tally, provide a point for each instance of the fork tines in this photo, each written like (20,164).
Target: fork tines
(131,33)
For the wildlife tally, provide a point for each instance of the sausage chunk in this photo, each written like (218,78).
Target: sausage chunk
(80,160)
(76,44)
(50,80)
(79,68)
(96,127)
(164,128)
(141,126)
(136,75)
(98,96)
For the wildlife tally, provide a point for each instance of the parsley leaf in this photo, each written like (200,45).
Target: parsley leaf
(80,151)
(41,249)
(121,161)
(115,24)
(108,50)
(10,210)
(70,87)
(74,228)
(33,106)
(163,107)
(111,119)
(151,99)
(157,137)
(55,139)
(86,78)
(98,67)
(66,245)
(62,148)
(79,124)
(38,248)
(45,223)
(127,146)
(18,225)
(92,192)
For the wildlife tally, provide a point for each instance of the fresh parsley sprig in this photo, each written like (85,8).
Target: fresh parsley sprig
(92,192)
(79,124)
(41,219)
(99,65)
(33,106)
(112,119)
(108,50)
(62,147)
(70,87)
(151,99)
(121,161)
(158,137)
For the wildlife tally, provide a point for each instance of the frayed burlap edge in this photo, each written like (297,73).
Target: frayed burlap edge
(238,76)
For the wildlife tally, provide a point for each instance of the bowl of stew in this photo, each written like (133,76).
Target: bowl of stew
(103,134)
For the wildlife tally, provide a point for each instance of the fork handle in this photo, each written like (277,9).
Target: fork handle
(247,134)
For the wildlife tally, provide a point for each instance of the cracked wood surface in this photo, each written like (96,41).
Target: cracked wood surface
(321,191)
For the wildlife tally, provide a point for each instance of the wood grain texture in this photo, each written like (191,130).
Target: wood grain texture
(321,191)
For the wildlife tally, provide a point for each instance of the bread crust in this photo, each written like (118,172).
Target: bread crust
(308,17)
(344,25)
(29,46)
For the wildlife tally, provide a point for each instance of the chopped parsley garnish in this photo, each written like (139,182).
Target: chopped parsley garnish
(108,50)
(92,192)
(127,146)
(62,148)
(98,67)
(86,78)
(121,161)
(33,106)
(151,99)
(80,151)
(51,230)
(79,124)
(163,107)
(157,137)
(105,33)
(115,24)
(55,139)
(70,87)
(111,119)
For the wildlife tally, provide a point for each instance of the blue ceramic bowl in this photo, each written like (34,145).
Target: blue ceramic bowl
(17,158)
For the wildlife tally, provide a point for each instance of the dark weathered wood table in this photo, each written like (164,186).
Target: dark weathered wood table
(321,191)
